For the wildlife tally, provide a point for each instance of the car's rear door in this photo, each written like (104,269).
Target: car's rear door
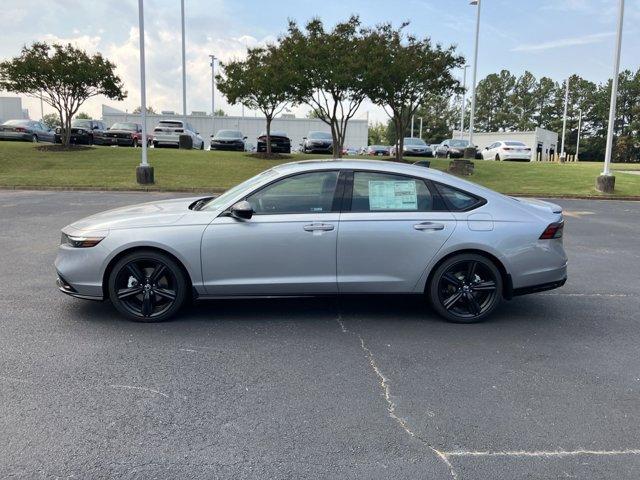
(391,227)
(288,246)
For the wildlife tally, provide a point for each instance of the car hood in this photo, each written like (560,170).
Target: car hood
(151,214)
(117,130)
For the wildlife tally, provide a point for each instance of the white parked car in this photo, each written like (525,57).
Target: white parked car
(507,150)
(167,134)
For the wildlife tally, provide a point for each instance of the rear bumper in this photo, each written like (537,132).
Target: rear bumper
(516,156)
(22,136)
(539,288)
(227,146)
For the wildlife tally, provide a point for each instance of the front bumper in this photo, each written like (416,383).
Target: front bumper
(413,153)
(80,270)
(124,142)
(66,288)
(227,146)
(516,156)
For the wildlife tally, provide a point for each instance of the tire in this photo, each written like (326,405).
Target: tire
(202,146)
(449,155)
(497,157)
(135,143)
(138,296)
(34,139)
(462,293)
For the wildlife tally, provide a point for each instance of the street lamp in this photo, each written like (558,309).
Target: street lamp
(213,84)
(464,99)
(184,68)
(564,121)
(475,72)
(144,172)
(606,181)
(579,128)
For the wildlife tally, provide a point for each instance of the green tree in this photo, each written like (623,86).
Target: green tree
(378,134)
(440,116)
(328,66)
(407,71)
(83,116)
(64,75)
(494,95)
(523,102)
(219,113)
(51,120)
(138,110)
(260,82)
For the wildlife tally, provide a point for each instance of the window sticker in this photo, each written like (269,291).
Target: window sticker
(392,195)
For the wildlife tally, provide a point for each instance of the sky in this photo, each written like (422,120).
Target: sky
(554,38)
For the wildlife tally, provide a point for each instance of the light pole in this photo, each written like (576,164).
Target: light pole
(412,130)
(564,121)
(473,87)
(144,172)
(606,181)
(579,128)
(184,67)
(420,127)
(213,84)
(41,106)
(464,99)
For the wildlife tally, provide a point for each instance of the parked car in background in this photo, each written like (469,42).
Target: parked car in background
(84,132)
(414,147)
(280,142)
(26,130)
(507,150)
(228,140)
(126,134)
(320,227)
(317,142)
(452,148)
(167,134)
(378,150)
(349,151)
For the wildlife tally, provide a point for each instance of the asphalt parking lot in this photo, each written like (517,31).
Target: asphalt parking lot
(365,387)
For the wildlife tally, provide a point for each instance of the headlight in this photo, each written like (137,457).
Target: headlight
(79,241)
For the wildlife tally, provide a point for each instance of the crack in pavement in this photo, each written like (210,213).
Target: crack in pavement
(391,406)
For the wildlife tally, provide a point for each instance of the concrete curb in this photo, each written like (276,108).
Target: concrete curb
(222,190)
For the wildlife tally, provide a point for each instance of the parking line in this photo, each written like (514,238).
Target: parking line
(542,453)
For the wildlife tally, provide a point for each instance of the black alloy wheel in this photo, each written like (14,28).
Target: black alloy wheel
(466,288)
(147,286)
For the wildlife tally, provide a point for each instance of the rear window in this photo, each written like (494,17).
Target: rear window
(458,200)
(170,124)
(515,144)
(16,122)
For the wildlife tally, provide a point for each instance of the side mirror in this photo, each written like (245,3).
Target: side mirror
(486,148)
(304,138)
(242,210)
(244,138)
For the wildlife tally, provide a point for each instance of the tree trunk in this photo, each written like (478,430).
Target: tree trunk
(66,139)
(399,138)
(335,141)
(268,139)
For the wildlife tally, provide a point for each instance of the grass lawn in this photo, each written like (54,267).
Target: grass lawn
(21,164)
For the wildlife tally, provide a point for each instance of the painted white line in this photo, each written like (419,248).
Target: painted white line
(132,387)
(543,454)
(613,295)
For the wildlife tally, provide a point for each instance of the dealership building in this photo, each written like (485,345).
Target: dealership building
(11,109)
(543,143)
(251,127)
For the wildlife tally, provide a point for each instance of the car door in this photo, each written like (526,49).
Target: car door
(288,246)
(388,234)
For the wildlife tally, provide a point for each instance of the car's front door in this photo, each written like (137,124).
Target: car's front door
(288,246)
(389,234)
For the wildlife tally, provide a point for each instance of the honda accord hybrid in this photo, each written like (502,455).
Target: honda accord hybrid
(320,228)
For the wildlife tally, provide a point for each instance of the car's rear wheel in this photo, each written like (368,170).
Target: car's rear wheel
(466,288)
(147,286)
(497,157)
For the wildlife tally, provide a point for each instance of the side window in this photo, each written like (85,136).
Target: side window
(382,192)
(305,193)
(457,200)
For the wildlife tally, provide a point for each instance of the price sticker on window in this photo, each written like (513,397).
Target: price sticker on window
(392,195)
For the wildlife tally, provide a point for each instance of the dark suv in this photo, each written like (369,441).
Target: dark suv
(88,132)
(317,142)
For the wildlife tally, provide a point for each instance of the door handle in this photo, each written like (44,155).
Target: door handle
(322,227)
(428,226)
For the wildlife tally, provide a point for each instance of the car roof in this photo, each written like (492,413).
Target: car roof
(384,166)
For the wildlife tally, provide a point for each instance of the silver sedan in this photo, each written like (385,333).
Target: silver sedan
(320,228)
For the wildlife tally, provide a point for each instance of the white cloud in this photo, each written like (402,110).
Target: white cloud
(564,42)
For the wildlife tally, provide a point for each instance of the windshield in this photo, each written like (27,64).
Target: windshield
(414,141)
(515,144)
(229,134)
(81,123)
(16,122)
(319,136)
(459,143)
(124,126)
(377,147)
(223,199)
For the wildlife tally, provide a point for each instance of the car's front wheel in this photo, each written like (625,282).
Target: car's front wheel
(147,286)
(465,288)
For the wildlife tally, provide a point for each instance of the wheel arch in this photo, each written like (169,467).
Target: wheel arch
(507,284)
(127,251)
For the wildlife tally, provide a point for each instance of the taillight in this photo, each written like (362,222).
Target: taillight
(506,148)
(554,230)
(20,129)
